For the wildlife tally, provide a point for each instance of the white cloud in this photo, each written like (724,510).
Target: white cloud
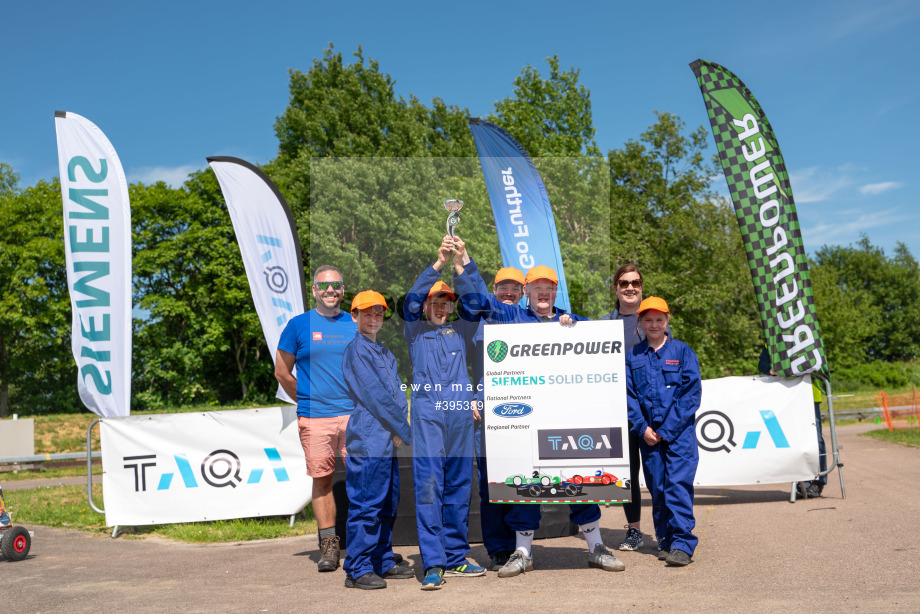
(174,177)
(872,189)
(842,227)
(815,184)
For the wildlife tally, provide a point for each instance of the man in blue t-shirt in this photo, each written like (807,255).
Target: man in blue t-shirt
(315,341)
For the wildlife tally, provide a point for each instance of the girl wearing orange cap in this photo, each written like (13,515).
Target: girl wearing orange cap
(443,411)
(378,422)
(663,390)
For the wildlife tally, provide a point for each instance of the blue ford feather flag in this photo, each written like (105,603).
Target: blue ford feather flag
(523,216)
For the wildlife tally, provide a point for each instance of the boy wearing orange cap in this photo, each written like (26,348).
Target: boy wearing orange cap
(477,303)
(663,391)
(378,422)
(443,412)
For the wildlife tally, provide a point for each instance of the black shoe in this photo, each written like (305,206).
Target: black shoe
(678,558)
(398,559)
(663,554)
(367,582)
(329,560)
(814,490)
(399,572)
(497,562)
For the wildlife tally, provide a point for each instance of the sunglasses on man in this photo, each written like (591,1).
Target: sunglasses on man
(625,283)
(322,286)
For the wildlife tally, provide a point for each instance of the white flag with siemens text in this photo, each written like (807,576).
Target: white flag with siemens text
(97,248)
(267,237)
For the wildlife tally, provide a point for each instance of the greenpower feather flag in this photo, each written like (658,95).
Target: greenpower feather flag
(759,187)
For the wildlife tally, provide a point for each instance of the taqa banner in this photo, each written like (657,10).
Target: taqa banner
(555,413)
(756,430)
(267,236)
(523,216)
(169,468)
(97,250)
(760,190)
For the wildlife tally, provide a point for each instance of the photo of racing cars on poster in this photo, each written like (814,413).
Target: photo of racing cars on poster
(540,485)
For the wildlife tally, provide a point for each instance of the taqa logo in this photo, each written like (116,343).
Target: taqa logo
(497,350)
(512,410)
(317,336)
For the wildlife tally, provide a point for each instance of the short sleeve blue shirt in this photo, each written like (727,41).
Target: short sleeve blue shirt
(318,343)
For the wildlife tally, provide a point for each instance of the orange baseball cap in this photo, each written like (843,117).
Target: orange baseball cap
(440,287)
(653,302)
(367,299)
(509,273)
(542,272)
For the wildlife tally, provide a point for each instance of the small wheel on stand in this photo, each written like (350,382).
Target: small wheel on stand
(15,544)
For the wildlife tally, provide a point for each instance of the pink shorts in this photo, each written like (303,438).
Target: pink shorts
(321,439)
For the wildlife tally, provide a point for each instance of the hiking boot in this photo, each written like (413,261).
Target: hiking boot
(517,564)
(466,570)
(602,558)
(814,490)
(434,579)
(367,582)
(329,560)
(399,572)
(633,539)
(678,558)
(496,562)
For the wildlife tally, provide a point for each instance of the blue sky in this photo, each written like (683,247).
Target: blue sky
(171,83)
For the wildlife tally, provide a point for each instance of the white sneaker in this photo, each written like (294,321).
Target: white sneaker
(517,564)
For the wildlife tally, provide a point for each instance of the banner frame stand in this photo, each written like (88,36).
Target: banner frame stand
(835,461)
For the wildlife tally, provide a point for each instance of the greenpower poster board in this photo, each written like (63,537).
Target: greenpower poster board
(555,413)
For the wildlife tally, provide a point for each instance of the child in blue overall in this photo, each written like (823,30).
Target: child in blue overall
(378,423)
(443,414)
(663,391)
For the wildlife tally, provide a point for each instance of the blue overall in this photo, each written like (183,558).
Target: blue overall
(497,536)
(663,391)
(372,472)
(442,430)
(477,303)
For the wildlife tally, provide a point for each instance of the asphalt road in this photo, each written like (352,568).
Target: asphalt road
(757,553)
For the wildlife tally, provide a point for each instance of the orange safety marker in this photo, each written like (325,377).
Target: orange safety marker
(885,409)
(916,406)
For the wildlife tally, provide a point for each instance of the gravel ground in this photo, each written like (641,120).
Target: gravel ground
(757,553)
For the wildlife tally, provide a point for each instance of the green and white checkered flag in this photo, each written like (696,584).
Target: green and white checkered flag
(759,187)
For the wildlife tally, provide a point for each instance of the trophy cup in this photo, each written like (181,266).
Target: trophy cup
(453,205)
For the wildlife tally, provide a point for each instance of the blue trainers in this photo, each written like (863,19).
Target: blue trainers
(466,570)
(434,579)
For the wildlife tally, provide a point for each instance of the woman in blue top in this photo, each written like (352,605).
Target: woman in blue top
(663,391)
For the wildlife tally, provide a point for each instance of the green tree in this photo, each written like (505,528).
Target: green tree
(200,340)
(37,370)
(686,242)
(849,320)
(885,290)
(344,110)
(549,117)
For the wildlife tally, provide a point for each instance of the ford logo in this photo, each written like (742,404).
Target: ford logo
(512,410)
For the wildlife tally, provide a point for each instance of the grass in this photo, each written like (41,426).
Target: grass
(67,507)
(866,399)
(905,436)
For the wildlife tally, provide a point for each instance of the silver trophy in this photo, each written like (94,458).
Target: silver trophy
(453,205)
